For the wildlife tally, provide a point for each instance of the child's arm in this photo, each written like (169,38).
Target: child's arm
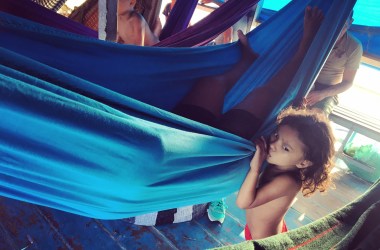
(247,192)
(149,37)
(139,29)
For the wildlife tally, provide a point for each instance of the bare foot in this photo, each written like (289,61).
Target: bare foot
(248,54)
(312,21)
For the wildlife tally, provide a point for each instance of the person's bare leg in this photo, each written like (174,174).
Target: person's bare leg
(261,101)
(209,92)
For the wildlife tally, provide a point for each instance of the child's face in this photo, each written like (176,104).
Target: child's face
(286,150)
(126,4)
(346,26)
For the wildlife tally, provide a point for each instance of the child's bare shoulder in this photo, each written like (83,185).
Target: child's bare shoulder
(281,186)
(137,17)
(288,183)
(132,16)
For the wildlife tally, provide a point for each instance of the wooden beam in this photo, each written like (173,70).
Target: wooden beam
(371,61)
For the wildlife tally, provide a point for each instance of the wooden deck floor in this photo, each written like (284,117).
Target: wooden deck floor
(27,226)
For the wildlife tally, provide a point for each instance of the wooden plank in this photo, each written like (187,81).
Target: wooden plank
(368,59)
(350,185)
(189,235)
(132,236)
(294,219)
(6,241)
(25,225)
(202,233)
(78,232)
(239,214)
(204,7)
(228,233)
(27,229)
(348,188)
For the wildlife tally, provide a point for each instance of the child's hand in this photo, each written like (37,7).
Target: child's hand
(260,155)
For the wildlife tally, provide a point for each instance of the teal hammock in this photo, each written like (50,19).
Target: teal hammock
(86,125)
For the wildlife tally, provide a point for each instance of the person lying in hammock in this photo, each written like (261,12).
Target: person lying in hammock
(299,153)
(132,27)
(205,100)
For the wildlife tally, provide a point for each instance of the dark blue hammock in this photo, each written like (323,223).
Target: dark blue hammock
(84,124)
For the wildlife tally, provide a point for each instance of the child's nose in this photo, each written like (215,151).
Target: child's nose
(272,146)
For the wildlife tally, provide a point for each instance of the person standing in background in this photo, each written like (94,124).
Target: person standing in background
(338,72)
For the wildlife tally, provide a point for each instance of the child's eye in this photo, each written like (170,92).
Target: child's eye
(274,137)
(285,148)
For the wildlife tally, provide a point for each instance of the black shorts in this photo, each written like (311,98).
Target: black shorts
(234,121)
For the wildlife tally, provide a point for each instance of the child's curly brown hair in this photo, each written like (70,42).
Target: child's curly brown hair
(315,132)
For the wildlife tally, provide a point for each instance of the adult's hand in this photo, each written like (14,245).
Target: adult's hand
(313,97)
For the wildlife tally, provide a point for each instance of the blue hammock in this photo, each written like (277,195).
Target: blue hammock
(85,123)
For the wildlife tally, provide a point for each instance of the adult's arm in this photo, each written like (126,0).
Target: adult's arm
(349,74)
(318,95)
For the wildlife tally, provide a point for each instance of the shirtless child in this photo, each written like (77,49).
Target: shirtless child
(299,156)
(132,27)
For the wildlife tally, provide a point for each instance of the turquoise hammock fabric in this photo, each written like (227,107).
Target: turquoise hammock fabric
(366,12)
(80,132)
(366,25)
